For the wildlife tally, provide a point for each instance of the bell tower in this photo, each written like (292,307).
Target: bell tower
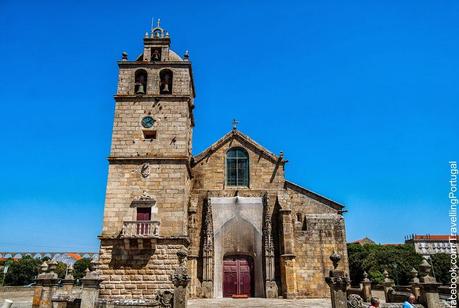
(149,176)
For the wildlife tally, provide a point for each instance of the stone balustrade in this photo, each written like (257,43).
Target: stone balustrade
(140,229)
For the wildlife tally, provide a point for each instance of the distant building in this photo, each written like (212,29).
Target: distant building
(428,245)
(364,241)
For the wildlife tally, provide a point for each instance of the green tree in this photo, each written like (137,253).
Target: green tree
(80,267)
(22,271)
(61,269)
(441,263)
(374,259)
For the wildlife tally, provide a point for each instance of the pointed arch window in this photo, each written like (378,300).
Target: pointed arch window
(237,167)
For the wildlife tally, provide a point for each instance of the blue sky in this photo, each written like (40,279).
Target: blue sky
(362,96)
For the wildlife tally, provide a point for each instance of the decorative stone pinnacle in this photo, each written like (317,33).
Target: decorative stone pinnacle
(124,56)
(52,265)
(182,255)
(425,268)
(335,258)
(93,265)
(44,267)
(365,277)
(386,274)
(186,56)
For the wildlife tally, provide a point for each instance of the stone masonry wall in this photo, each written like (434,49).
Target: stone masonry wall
(137,273)
(209,174)
(172,125)
(319,230)
(181,81)
(167,184)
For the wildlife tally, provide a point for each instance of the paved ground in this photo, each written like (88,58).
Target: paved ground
(259,302)
(22,298)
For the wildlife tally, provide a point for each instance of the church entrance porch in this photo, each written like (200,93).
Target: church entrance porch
(237,276)
(237,231)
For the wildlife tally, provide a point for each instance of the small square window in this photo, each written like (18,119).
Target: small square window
(149,134)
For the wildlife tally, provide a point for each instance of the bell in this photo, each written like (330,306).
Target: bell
(140,89)
(166,88)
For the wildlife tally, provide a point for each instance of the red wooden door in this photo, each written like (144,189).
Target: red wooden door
(237,276)
(143,214)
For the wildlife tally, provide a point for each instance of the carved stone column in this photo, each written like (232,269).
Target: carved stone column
(429,286)
(415,286)
(180,279)
(366,287)
(338,283)
(90,286)
(271,290)
(208,254)
(388,287)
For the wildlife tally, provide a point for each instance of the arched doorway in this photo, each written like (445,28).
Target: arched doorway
(238,278)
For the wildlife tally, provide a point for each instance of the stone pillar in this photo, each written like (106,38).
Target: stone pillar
(180,279)
(46,285)
(271,290)
(338,283)
(366,287)
(207,286)
(67,284)
(388,287)
(429,286)
(38,285)
(415,286)
(90,287)
(288,272)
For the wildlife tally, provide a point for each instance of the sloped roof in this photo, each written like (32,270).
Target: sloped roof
(236,134)
(314,195)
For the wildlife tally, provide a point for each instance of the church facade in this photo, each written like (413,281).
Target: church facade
(247,231)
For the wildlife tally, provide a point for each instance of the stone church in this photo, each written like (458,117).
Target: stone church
(245,229)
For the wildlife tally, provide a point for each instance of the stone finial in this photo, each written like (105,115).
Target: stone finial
(44,267)
(93,265)
(335,258)
(365,277)
(186,56)
(52,265)
(414,275)
(424,268)
(146,34)
(69,275)
(124,56)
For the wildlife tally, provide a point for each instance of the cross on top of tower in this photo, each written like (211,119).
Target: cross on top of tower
(235,123)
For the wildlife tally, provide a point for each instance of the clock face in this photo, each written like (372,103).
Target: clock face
(147,122)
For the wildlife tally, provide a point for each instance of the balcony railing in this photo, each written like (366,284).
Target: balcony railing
(140,229)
